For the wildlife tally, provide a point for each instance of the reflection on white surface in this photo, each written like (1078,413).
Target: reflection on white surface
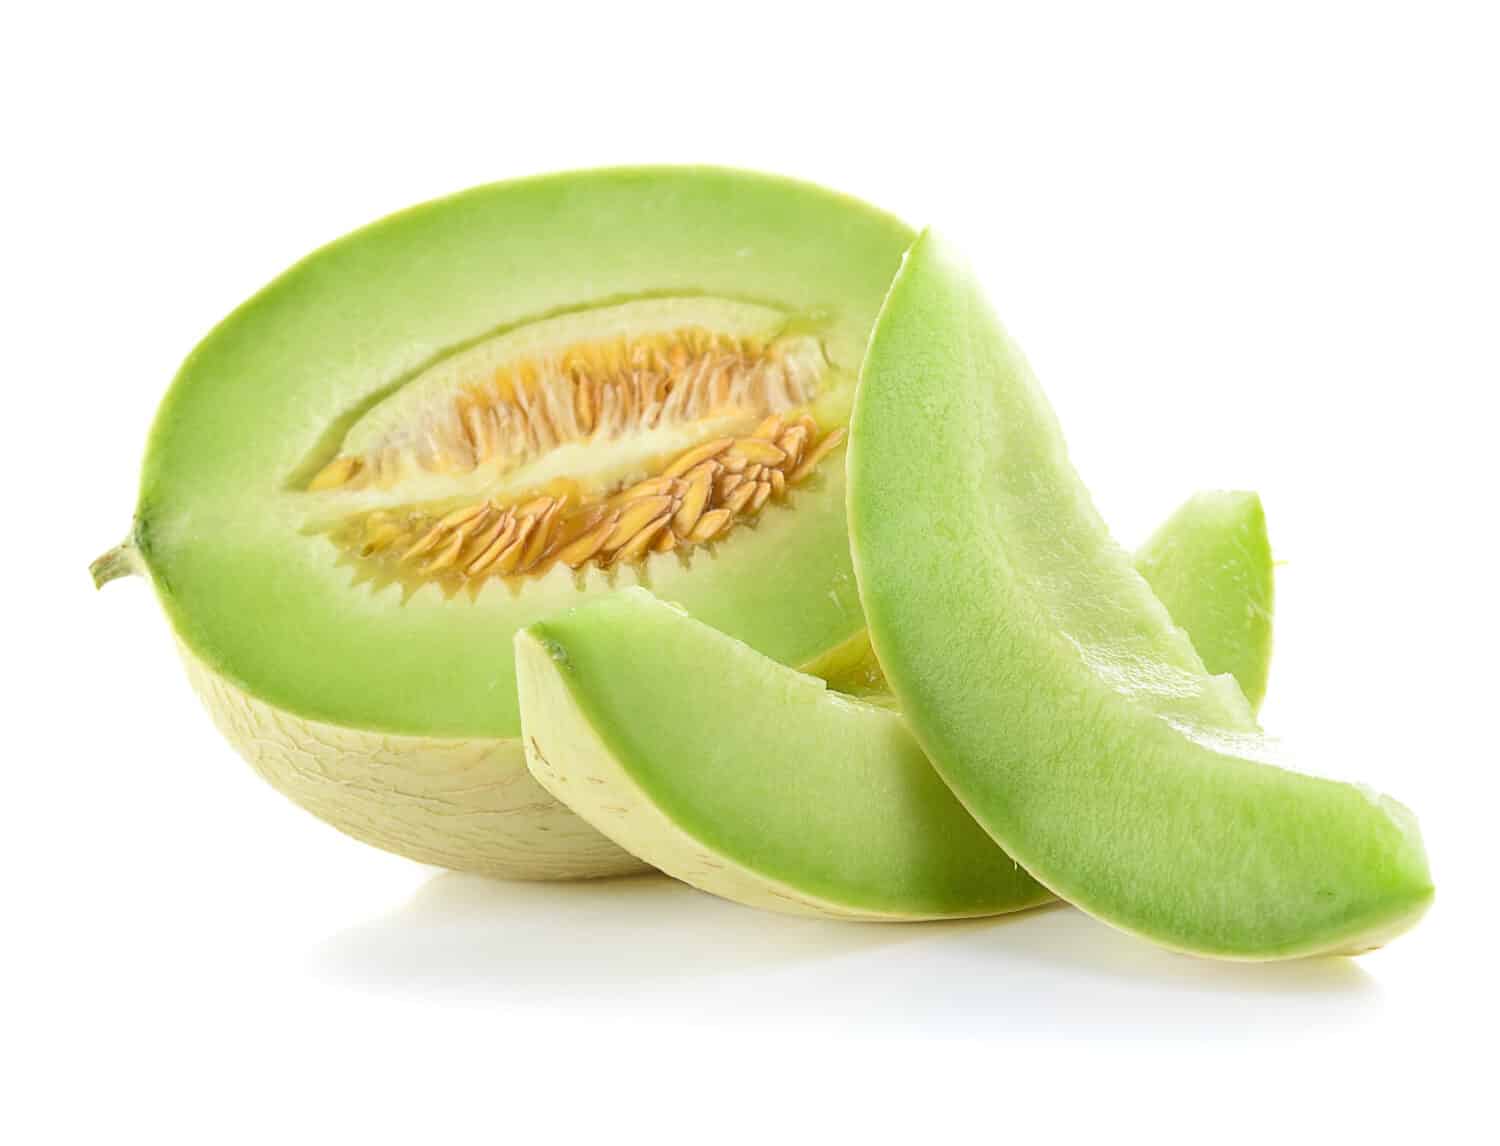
(620,946)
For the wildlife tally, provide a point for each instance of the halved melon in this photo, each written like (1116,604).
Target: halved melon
(474,414)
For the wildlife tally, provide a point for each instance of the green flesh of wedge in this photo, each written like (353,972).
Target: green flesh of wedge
(754,782)
(1050,687)
(1210,565)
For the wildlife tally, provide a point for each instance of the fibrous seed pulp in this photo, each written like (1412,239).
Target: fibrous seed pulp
(636,444)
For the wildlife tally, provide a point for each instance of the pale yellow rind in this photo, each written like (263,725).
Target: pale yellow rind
(470,805)
(576,767)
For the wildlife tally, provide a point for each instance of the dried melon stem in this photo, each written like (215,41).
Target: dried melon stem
(598,438)
(124,560)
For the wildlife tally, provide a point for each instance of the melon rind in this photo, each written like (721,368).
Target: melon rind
(466,804)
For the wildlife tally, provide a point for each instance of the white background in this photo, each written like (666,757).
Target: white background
(1256,250)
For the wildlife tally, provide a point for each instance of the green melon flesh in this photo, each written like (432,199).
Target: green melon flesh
(1210,565)
(1050,687)
(744,777)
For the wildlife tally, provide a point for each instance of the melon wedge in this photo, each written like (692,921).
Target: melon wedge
(1210,565)
(1050,687)
(746,778)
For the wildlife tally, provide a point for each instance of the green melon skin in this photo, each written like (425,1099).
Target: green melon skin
(746,778)
(1050,687)
(1210,565)
(394,717)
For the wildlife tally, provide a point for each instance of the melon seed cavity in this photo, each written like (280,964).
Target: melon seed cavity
(596,439)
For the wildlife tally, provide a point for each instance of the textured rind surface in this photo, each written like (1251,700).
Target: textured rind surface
(470,805)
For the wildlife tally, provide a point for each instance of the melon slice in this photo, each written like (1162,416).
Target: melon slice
(1210,565)
(1050,687)
(746,778)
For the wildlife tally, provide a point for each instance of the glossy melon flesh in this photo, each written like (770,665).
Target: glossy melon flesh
(474,414)
(1051,689)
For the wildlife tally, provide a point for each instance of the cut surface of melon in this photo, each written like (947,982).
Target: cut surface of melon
(493,406)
